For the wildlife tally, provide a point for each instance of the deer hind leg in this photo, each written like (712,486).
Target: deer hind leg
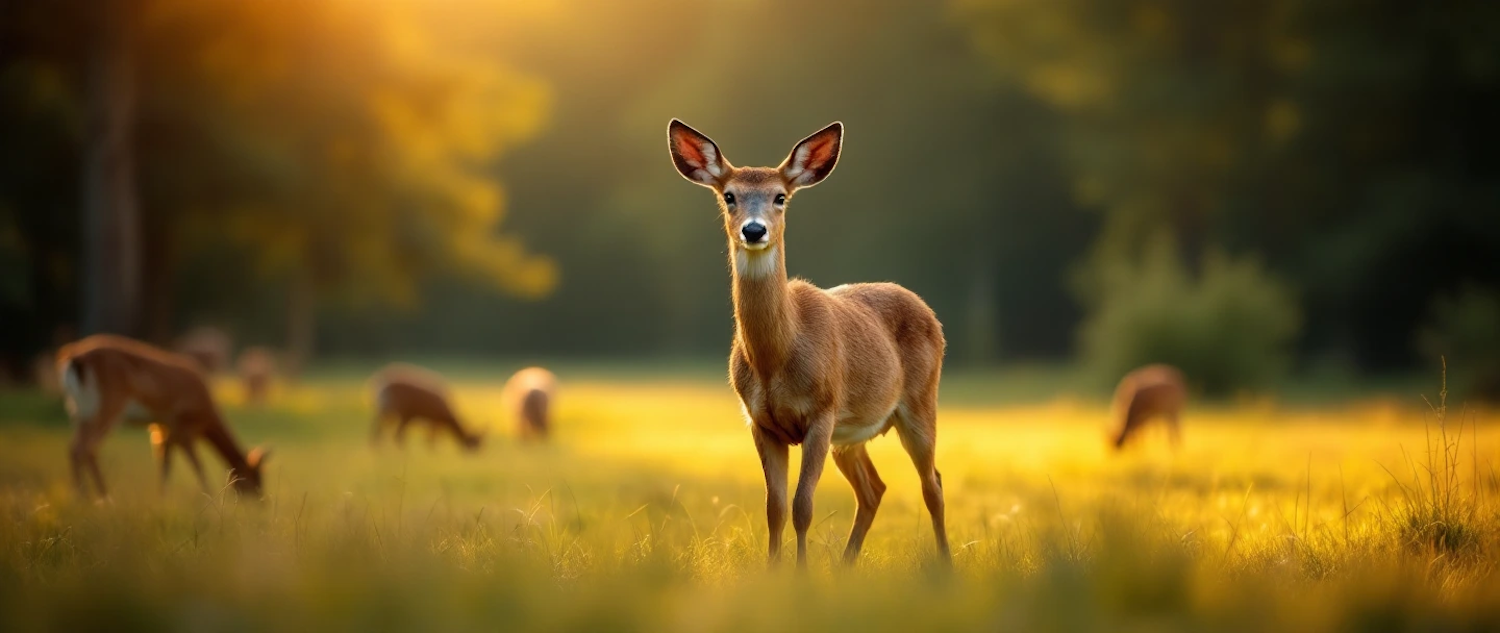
(774,461)
(918,432)
(854,462)
(401,427)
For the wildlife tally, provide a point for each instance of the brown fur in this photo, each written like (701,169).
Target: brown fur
(407,394)
(209,346)
(529,395)
(257,367)
(176,401)
(826,369)
(1149,393)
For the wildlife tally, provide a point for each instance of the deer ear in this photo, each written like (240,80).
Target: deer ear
(257,456)
(696,156)
(813,158)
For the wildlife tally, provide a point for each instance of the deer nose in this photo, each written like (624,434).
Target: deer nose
(753,231)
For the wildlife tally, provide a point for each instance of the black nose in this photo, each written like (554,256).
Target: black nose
(753,232)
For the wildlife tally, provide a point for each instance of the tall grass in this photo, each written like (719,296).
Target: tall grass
(645,514)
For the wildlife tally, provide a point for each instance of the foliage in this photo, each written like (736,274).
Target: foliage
(1228,327)
(1339,139)
(1463,332)
(645,514)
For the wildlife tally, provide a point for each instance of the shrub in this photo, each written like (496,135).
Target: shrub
(1228,328)
(1465,329)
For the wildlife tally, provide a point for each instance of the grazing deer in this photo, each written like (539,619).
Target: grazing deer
(827,369)
(529,395)
(407,393)
(110,378)
(1146,394)
(257,366)
(209,346)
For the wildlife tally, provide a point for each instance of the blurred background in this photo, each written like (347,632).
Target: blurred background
(1257,191)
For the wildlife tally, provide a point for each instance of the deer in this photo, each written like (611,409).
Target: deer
(828,370)
(406,394)
(257,367)
(529,395)
(211,347)
(108,379)
(1149,393)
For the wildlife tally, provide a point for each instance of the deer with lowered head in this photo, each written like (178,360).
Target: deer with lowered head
(825,369)
(107,379)
(1153,392)
(406,394)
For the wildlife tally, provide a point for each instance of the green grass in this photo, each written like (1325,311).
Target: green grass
(645,513)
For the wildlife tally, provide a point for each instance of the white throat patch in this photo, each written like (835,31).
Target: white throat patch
(755,264)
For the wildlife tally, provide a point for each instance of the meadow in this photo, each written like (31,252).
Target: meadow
(645,513)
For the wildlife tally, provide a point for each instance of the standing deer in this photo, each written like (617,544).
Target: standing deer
(109,378)
(827,369)
(1149,393)
(257,368)
(529,395)
(407,393)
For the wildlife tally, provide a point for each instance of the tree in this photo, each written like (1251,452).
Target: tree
(356,147)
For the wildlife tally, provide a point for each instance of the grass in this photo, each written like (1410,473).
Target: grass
(645,513)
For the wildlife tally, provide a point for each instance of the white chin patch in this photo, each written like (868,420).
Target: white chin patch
(755,264)
(757,246)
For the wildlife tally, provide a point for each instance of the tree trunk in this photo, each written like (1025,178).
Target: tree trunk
(983,345)
(111,215)
(302,323)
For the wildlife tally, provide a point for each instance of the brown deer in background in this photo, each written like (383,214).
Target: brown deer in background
(406,394)
(529,396)
(826,369)
(109,378)
(1150,393)
(209,346)
(257,368)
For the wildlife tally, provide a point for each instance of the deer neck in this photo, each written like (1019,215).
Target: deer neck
(224,444)
(764,317)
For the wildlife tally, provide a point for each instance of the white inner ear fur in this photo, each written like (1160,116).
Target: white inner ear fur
(711,159)
(796,169)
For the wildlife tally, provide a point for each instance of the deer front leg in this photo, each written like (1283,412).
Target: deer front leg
(773,460)
(161,447)
(814,454)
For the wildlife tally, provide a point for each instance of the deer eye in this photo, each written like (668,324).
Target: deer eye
(728,198)
(780,199)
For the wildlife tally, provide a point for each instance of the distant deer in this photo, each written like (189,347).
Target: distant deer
(529,395)
(257,367)
(406,394)
(107,379)
(209,346)
(827,369)
(1149,393)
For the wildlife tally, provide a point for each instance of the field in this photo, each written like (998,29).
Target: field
(646,513)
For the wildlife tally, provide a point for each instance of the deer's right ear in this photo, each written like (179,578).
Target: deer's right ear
(696,156)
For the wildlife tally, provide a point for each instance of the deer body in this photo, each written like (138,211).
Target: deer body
(108,379)
(825,369)
(409,394)
(257,368)
(1146,394)
(529,395)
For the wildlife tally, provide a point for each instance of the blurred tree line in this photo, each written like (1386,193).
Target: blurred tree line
(1272,182)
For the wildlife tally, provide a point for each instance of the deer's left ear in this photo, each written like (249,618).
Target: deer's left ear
(696,156)
(814,157)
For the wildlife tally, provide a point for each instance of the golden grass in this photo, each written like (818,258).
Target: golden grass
(646,514)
